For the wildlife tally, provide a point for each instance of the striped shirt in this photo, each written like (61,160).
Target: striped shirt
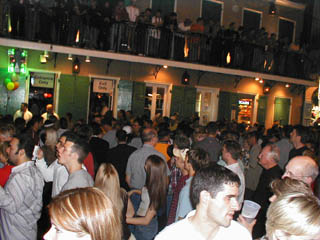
(21,203)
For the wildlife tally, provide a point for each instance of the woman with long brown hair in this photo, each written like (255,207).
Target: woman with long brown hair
(153,197)
(107,180)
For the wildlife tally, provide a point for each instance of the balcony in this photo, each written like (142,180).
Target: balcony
(235,53)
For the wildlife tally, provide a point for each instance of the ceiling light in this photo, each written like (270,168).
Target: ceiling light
(261,81)
(88,59)
(46,54)
(287,85)
(70,57)
(165,66)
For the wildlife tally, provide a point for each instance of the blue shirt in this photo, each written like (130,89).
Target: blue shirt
(184,204)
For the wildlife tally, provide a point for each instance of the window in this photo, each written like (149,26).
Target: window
(155,100)
(211,9)
(286,29)
(251,19)
(166,6)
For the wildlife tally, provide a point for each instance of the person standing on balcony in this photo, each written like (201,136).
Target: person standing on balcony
(120,13)
(18,15)
(133,11)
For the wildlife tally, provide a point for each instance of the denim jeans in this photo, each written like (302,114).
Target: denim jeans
(147,232)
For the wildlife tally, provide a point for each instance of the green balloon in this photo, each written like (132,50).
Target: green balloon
(10,86)
(6,81)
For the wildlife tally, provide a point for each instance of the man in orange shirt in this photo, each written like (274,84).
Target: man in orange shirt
(164,142)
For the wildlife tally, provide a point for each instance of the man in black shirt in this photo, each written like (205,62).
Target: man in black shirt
(268,159)
(119,156)
(298,137)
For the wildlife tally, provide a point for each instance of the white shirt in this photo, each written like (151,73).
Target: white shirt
(133,13)
(236,168)
(183,229)
(27,115)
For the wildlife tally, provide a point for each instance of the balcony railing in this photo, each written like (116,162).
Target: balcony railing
(147,40)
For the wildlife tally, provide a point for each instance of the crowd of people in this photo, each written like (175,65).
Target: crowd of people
(136,178)
(113,26)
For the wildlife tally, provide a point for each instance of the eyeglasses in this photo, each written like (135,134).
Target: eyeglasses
(292,175)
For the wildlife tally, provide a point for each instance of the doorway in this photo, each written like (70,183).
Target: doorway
(207,105)
(41,91)
(155,100)
(101,95)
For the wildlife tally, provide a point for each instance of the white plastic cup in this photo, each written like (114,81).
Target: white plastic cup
(250,210)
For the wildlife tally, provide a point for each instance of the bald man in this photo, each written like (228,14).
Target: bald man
(302,168)
(49,112)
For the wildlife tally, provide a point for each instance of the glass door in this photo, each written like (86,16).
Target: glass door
(155,100)
(207,105)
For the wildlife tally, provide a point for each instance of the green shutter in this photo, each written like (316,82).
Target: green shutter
(262,109)
(224,111)
(189,103)
(139,89)
(282,110)
(177,100)
(73,96)
(125,95)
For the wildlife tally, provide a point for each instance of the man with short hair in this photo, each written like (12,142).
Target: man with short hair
(21,198)
(268,159)
(72,156)
(110,135)
(135,172)
(254,170)
(49,112)
(298,137)
(119,155)
(210,143)
(133,11)
(231,152)
(214,192)
(302,168)
(195,160)
(23,112)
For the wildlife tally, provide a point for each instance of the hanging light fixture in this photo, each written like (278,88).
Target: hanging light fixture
(70,57)
(88,59)
(46,54)
(76,66)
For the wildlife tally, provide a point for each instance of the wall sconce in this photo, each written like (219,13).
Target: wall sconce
(157,70)
(272,9)
(185,79)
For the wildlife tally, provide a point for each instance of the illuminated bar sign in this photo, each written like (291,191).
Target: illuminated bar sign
(244,102)
(42,80)
(102,86)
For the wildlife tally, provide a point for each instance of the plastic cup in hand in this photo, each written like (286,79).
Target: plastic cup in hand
(250,210)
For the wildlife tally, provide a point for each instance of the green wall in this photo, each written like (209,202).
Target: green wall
(10,101)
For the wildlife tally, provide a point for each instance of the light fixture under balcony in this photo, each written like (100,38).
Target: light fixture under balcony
(70,57)
(87,59)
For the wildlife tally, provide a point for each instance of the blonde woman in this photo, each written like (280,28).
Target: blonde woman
(83,213)
(293,216)
(107,180)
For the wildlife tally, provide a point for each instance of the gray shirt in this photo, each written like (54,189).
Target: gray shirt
(211,146)
(236,168)
(285,146)
(21,203)
(254,170)
(78,179)
(135,166)
(111,138)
